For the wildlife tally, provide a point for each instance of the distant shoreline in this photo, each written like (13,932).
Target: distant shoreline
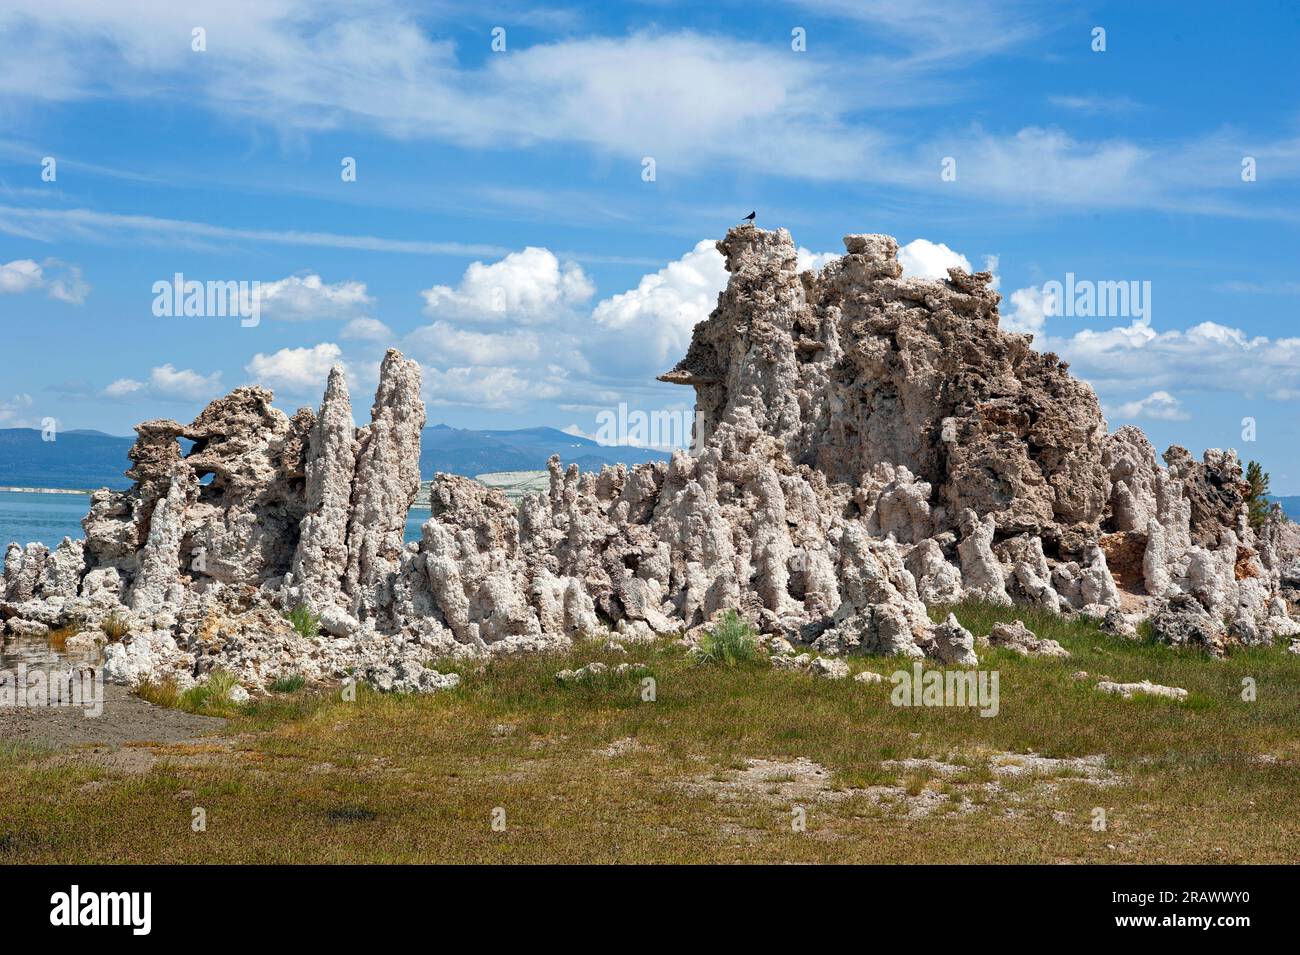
(515,484)
(45,490)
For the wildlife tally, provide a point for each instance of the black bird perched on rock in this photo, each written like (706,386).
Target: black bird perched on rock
(750,218)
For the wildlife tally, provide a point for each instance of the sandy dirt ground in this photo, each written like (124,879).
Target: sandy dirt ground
(126,719)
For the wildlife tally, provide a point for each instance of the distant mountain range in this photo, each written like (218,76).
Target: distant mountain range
(459,451)
(91,459)
(75,459)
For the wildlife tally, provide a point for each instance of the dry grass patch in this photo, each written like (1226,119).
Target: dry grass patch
(590,772)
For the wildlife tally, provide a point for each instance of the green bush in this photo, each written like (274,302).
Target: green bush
(732,641)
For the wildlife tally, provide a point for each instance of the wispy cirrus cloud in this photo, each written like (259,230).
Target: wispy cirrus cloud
(1093,105)
(691,100)
(90,225)
(687,98)
(1268,287)
(937,30)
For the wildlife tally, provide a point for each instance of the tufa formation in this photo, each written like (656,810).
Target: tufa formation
(866,445)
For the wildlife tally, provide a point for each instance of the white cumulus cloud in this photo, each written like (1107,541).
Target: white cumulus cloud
(1029,310)
(366,330)
(814,261)
(665,306)
(1159,405)
(13,411)
(650,325)
(306,297)
(167,383)
(59,280)
(1207,357)
(923,259)
(20,275)
(529,287)
(445,344)
(484,387)
(298,371)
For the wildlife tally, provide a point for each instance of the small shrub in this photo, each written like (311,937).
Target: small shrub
(304,621)
(288,684)
(732,641)
(115,626)
(220,683)
(212,696)
(165,693)
(58,638)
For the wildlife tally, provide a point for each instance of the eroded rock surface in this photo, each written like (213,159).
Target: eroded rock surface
(866,445)
(1018,638)
(1142,688)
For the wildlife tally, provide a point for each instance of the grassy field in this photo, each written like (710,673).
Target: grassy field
(723,765)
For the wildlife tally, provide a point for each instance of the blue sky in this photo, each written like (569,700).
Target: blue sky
(224,164)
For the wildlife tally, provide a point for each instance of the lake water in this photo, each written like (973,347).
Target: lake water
(415,519)
(48,518)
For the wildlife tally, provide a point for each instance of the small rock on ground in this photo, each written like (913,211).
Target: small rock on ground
(1146,687)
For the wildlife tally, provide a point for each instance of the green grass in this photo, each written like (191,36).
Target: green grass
(308,777)
(288,684)
(210,698)
(730,642)
(979,617)
(303,620)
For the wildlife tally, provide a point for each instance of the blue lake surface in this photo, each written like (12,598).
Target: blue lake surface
(415,519)
(49,518)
